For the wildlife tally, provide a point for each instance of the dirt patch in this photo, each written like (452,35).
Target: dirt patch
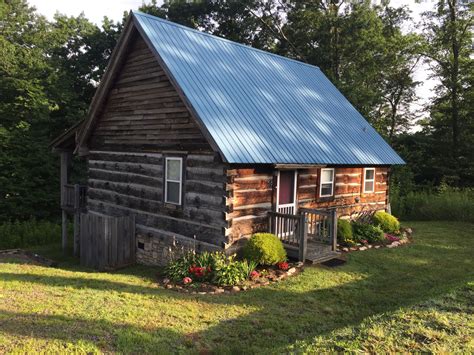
(27,257)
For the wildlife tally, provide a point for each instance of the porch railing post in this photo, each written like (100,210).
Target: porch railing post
(270,229)
(334,229)
(302,231)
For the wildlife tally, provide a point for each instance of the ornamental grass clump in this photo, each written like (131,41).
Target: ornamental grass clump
(386,221)
(264,249)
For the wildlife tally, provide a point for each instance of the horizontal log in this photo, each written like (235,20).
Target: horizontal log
(137,168)
(131,189)
(140,158)
(124,177)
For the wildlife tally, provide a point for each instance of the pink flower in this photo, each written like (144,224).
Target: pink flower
(254,274)
(365,241)
(187,280)
(392,238)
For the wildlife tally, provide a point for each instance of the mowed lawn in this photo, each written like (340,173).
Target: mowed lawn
(419,297)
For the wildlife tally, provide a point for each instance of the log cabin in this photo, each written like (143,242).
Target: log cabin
(205,141)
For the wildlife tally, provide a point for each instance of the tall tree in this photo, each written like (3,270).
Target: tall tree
(448,33)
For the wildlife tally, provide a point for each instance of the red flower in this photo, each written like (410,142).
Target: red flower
(187,280)
(283,265)
(197,271)
(254,274)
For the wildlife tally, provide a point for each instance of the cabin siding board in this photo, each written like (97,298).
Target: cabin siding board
(143,110)
(251,195)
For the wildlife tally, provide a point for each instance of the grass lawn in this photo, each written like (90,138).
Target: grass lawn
(419,297)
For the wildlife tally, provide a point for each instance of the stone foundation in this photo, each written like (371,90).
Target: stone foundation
(158,249)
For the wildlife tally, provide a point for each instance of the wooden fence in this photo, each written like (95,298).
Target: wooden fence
(106,242)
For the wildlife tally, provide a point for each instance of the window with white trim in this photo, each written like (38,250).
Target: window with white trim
(326,183)
(173,180)
(369,180)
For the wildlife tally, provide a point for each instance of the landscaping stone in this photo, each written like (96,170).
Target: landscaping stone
(235,289)
(363,248)
(377,246)
(169,286)
(291,271)
(219,290)
(345,250)
(166,281)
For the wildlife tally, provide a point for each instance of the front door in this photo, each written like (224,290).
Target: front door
(286,192)
(286,201)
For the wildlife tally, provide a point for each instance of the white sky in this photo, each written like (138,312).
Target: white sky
(95,10)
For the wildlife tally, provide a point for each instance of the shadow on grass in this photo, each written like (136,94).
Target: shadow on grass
(302,308)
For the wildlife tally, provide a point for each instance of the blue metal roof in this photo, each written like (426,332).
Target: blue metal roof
(263,108)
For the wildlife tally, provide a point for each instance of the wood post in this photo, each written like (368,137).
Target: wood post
(64,231)
(77,217)
(334,228)
(303,236)
(65,166)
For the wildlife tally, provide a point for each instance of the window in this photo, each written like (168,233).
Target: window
(174,180)
(369,180)
(326,183)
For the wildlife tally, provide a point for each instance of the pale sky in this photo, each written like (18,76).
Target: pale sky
(95,10)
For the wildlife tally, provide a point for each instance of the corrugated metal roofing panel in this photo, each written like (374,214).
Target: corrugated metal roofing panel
(263,108)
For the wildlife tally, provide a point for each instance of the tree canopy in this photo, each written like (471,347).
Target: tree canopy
(49,71)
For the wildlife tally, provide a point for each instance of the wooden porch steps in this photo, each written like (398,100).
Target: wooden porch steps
(321,258)
(318,252)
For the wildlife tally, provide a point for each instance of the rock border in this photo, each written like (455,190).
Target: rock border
(206,288)
(405,238)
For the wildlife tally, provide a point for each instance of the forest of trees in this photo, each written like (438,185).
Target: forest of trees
(49,71)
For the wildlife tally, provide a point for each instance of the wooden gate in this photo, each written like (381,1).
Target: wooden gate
(107,242)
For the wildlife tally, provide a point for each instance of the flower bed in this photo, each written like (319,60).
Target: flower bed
(261,276)
(389,241)
(263,262)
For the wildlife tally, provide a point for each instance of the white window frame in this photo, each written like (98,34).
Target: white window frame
(180,181)
(368,180)
(321,182)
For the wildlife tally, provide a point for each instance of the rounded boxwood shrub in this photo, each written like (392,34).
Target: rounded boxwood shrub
(386,221)
(367,232)
(344,232)
(265,249)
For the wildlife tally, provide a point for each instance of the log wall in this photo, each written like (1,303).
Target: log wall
(126,183)
(143,111)
(251,193)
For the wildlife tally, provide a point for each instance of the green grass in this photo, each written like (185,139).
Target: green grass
(449,204)
(414,298)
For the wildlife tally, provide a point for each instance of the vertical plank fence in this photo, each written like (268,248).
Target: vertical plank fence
(107,242)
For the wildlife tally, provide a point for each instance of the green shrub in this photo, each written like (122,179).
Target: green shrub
(177,269)
(344,232)
(28,233)
(386,221)
(229,272)
(368,232)
(265,249)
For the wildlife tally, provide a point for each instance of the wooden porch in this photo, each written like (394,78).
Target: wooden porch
(310,235)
